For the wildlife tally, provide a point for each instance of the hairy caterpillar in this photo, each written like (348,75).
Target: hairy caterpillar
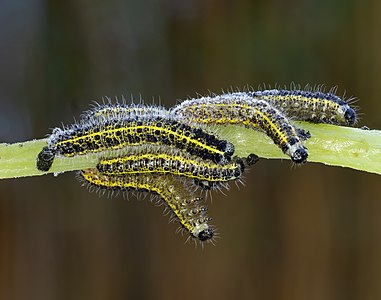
(313,106)
(185,206)
(165,161)
(110,132)
(243,110)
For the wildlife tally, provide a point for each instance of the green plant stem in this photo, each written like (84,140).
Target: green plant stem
(331,145)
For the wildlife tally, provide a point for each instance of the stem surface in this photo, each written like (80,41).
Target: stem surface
(331,145)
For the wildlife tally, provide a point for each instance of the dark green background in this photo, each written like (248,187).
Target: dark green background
(312,232)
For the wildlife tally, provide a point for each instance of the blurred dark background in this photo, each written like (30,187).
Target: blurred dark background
(292,233)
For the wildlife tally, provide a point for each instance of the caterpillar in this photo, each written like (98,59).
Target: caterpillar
(98,134)
(313,106)
(184,205)
(164,161)
(243,110)
(123,110)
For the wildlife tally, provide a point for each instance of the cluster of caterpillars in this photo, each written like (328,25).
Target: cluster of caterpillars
(172,152)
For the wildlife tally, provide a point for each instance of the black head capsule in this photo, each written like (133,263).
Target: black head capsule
(299,156)
(252,159)
(205,235)
(350,116)
(45,159)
